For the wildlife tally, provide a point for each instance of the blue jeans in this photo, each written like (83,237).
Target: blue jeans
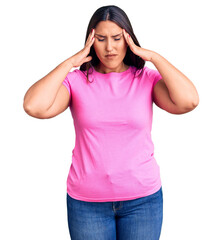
(137,219)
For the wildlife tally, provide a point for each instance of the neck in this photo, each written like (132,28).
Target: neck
(103,69)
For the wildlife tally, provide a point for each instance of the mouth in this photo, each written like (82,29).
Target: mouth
(111,56)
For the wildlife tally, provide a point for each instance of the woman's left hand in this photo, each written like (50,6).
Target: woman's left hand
(141,52)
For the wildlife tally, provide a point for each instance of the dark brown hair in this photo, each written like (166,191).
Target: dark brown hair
(118,16)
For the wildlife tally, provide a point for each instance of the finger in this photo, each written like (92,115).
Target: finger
(129,39)
(126,36)
(91,38)
(124,33)
(90,43)
(91,35)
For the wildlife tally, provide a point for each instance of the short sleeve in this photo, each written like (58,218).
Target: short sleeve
(66,83)
(154,76)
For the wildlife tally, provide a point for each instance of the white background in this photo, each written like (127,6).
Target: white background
(35,154)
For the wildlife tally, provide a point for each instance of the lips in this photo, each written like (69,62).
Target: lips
(111,55)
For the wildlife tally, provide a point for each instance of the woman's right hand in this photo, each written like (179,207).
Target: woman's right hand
(81,57)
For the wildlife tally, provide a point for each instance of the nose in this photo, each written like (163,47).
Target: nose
(109,45)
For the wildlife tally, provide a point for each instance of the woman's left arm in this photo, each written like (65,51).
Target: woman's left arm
(181,90)
(174,92)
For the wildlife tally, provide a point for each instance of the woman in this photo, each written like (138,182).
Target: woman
(114,189)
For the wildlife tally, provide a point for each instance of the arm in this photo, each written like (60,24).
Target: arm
(41,95)
(181,90)
(174,92)
(48,97)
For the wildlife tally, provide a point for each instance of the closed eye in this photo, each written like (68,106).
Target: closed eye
(116,39)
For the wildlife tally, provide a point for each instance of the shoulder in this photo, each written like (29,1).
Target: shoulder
(145,70)
(74,79)
(75,75)
(153,74)
(148,74)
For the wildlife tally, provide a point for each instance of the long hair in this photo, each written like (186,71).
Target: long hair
(118,16)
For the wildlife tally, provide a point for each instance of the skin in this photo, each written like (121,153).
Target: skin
(110,45)
(174,93)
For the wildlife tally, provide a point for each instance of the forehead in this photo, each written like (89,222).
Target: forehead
(107,28)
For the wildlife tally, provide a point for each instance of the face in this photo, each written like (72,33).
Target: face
(109,39)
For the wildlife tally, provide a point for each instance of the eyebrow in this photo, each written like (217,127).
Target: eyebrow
(105,36)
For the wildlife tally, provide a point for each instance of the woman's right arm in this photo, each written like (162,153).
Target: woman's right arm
(48,97)
(42,94)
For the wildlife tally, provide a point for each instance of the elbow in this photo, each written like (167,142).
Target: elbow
(27,108)
(191,105)
(32,112)
(195,101)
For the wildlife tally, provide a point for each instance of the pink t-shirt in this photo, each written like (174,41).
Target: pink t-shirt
(113,158)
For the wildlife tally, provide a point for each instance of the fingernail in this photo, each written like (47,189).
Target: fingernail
(91,30)
(129,35)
